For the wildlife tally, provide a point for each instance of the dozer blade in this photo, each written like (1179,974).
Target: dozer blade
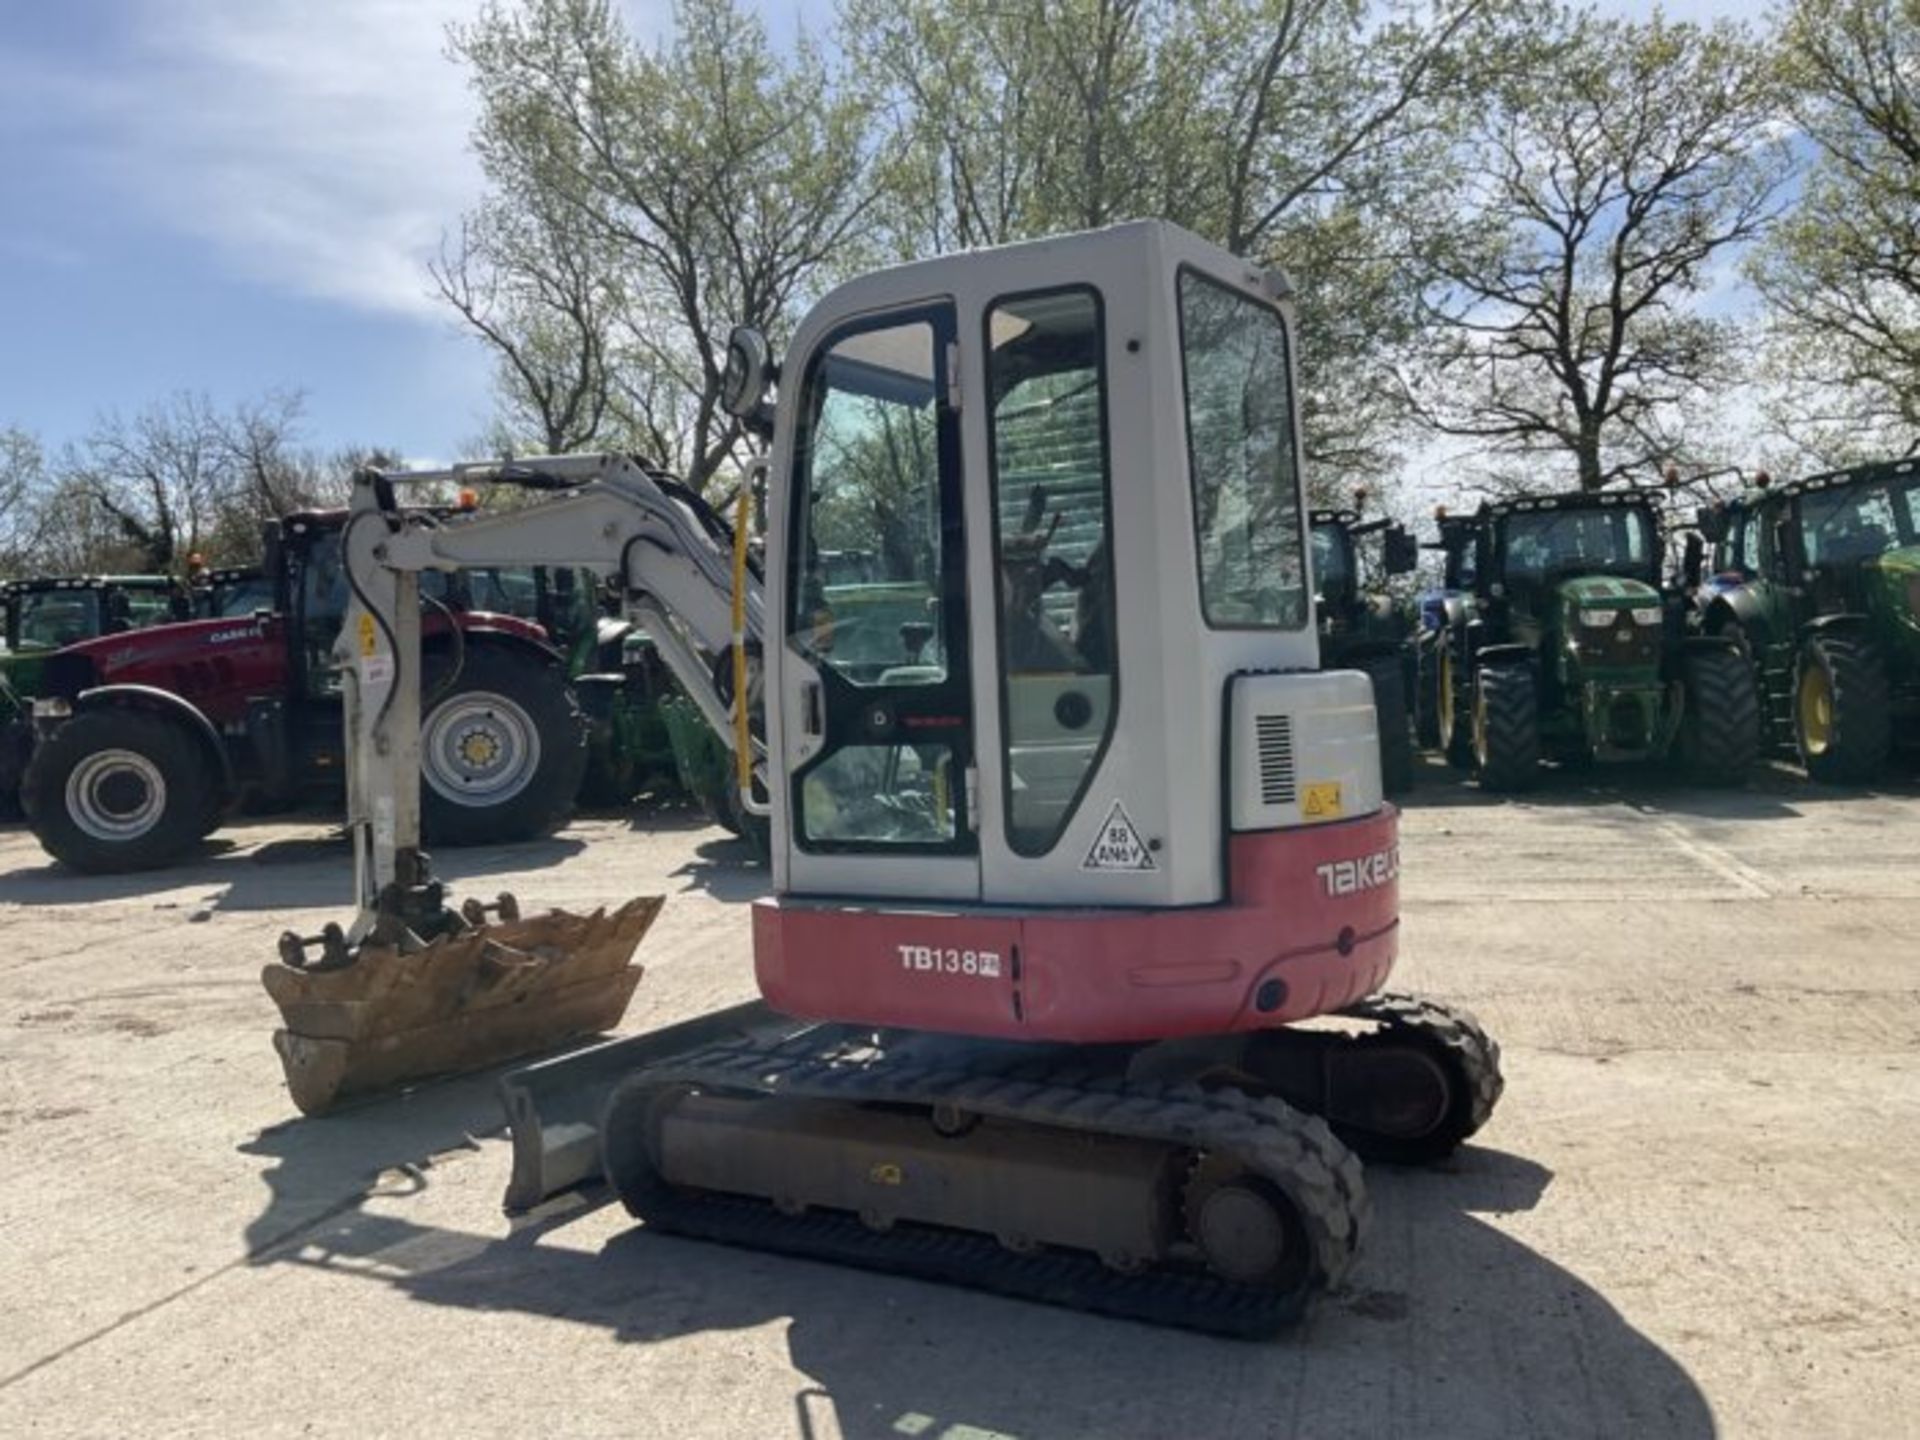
(554,1106)
(461,1002)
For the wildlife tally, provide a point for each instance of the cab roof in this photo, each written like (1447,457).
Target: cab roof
(1574,500)
(39,583)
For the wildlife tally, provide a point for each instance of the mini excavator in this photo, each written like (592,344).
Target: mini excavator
(1069,835)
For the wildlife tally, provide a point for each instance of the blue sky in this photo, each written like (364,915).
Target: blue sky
(232,196)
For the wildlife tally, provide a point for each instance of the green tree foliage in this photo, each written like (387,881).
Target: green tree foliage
(1313,134)
(643,201)
(1841,275)
(1610,171)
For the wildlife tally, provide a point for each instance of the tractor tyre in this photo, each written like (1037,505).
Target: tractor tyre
(1841,723)
(1506,729)
(16,749)
(1454,699)
(1390,719)
(116,790)
(502,753)
(1426,698)
(1719,738)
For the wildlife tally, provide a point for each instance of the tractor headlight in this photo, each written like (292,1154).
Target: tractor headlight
(1596,618)
(1647,615)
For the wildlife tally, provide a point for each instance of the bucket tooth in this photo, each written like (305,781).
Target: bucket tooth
(460,1002)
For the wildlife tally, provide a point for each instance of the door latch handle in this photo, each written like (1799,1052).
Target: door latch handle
(811,722)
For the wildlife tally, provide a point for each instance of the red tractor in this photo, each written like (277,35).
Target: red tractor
(145,741)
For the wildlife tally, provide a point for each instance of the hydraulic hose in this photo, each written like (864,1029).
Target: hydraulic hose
(742,733)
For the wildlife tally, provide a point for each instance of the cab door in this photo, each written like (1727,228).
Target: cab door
(878,718)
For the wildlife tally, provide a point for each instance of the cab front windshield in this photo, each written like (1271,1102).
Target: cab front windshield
(1857,522)
(1545,545)
(50,619)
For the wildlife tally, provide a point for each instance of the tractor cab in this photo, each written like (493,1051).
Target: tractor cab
(1537,555)
(52,613)
(1340,569)
(232,592)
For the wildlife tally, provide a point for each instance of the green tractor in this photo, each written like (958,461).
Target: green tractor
(1361,629)
(1818,584)
(614,669)
(48,613)
(1570,649)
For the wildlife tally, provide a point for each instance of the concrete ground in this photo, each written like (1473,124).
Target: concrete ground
(1695,1213)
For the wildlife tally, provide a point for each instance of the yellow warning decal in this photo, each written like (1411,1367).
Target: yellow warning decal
(1321,800)
(367,642)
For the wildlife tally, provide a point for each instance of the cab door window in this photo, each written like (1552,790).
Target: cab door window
(1046,378)
(877,597)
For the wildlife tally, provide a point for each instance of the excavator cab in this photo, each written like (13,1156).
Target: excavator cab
(1067,826)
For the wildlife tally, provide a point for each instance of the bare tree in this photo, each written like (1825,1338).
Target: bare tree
(1609,176)
(529,280)
(22,477)
(710,182)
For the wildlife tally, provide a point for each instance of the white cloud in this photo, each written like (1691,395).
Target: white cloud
(319,147)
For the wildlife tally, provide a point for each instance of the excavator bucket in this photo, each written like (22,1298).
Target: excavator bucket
(460,1002)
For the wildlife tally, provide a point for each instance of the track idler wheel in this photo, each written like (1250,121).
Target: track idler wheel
(1409,1092)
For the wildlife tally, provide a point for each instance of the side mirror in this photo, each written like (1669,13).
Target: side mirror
(749,374)
(1400,551)
(1712,521)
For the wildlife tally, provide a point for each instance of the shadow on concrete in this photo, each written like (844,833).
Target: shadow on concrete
(288,873)
(1773,792)
(727,868)
(1448,1327)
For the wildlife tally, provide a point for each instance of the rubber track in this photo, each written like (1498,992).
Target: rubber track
(1456,1032)
(1294,1151)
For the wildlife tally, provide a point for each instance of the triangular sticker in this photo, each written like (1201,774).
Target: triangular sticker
(1118,846)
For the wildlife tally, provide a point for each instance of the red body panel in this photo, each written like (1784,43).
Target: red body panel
(1314,909)
(217,664)
(222,664)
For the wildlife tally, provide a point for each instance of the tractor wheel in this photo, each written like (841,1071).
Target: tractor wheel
(16,749)
(1506,728)
(502,754)
(1720,726)
(1426,698)
(115,790)
(1456,706)
(1390,719)
(1840,712)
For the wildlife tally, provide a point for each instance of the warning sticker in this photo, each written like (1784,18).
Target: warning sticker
(368,644)
(1321,801)
(1118,846)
